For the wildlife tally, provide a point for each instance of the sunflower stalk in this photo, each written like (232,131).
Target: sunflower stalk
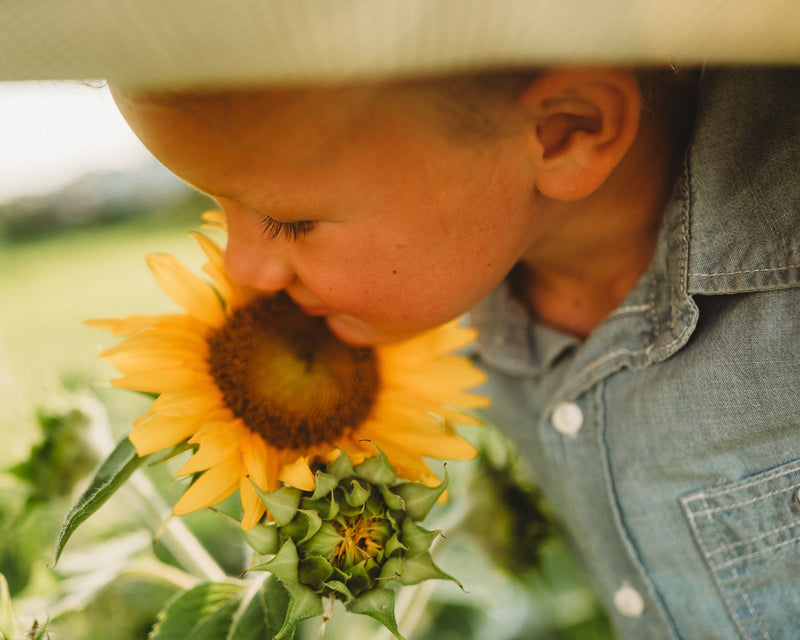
(172,532)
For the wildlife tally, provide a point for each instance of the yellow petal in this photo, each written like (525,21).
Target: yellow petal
(214,219)
(212,487)
(255,457)
(159,432)
(126,326)
(157,380)
(215,267)
(216,445)
(252,506)
(430,344)
(200,399)
(298,474)
(185,288)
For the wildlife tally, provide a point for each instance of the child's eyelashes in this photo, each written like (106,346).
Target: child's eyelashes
(291,231)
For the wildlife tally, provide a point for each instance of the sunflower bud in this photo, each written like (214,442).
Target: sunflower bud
(355,538)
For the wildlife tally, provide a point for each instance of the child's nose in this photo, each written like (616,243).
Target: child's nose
(262,270)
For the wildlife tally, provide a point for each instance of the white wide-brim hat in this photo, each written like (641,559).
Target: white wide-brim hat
(186,43)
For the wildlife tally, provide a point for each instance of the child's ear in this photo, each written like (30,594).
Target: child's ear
(582,122)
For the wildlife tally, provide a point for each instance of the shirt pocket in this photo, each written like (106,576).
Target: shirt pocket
(748,532)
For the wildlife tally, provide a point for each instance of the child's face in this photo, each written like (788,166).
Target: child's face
(402,226)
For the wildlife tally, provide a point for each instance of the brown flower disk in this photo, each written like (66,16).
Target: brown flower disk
(287,377)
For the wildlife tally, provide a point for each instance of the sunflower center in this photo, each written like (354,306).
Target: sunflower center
(287,377)
(362,538)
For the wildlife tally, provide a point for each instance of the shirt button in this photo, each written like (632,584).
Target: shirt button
(567,418)
(628,601)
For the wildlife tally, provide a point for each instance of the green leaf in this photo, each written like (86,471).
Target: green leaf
(8,627)
(303,604)
(117,468)
(378,604)
(376,469)
(419,499)
(205,612)
(262,612)
(282,503)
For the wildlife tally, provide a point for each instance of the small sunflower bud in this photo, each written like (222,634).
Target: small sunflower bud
(355,538)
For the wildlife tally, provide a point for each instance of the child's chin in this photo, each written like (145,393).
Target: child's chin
(359,334)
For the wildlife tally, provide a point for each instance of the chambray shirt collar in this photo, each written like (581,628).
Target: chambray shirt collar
(744,227)
(703,248)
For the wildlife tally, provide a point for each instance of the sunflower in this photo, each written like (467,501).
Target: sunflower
(265,394)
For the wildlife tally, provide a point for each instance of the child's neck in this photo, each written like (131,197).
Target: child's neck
(604,243)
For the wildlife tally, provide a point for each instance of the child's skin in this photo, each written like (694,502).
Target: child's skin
(359,203)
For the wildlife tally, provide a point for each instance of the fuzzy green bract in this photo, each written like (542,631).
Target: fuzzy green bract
(355,538)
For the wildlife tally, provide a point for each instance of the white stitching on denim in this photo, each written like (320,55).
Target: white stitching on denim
(736,273)
(736,505)
(761,477)
(635,308)
(734,561)
(750,608)
(718,579)
(761,537)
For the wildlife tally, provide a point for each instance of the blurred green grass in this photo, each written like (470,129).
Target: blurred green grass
(50,285)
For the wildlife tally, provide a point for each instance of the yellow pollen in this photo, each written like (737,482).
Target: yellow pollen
(362,538)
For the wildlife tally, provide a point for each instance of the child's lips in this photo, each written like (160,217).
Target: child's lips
(316,311)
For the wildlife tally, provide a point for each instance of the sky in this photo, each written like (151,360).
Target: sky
(53,132)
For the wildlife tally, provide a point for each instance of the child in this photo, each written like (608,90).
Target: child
(632,268)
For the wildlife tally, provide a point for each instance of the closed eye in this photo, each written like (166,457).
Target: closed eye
(291,231)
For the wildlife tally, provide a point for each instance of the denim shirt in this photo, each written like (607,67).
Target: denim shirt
(669,440)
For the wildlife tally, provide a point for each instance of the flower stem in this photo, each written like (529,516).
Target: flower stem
(174,535)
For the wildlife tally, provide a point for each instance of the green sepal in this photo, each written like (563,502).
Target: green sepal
(117,468)
(376,469)
(303,604)
(313,571)
(327,508)
(282,503)
(262,538)
(325,484)
(393,546)
(340,468)
(393,568)
(356,495)
(284,565)
(323,542)
(314,522)
(392,500)
(359,580)
(416,539)
(340,587)
(421,568)
(418,498)
(378,604)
